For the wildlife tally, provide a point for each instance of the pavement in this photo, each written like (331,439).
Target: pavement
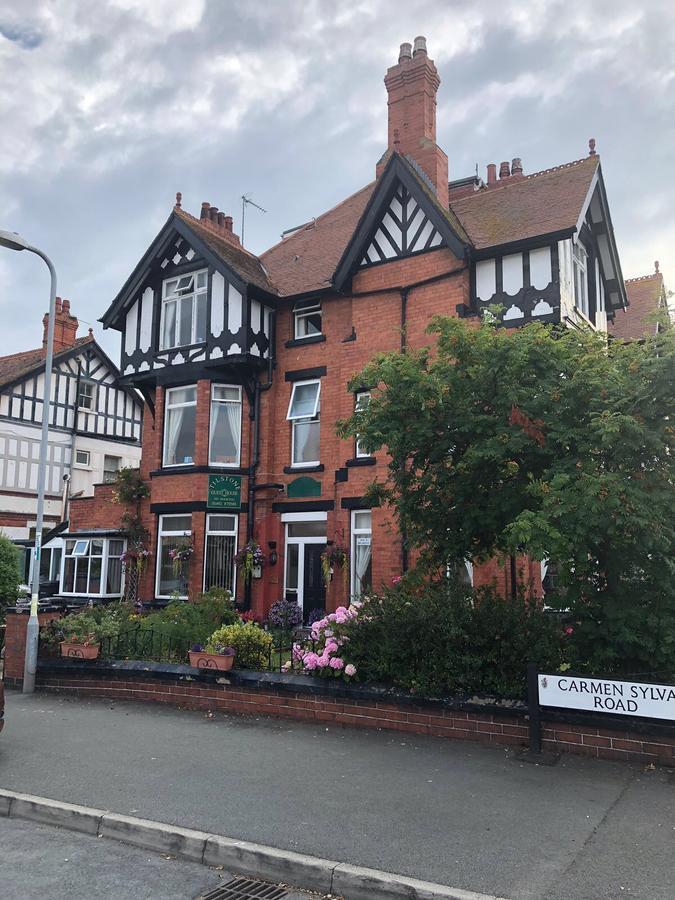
(473,817)
(40,861)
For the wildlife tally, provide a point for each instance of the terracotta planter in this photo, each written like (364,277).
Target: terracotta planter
(80,651)
(201,660)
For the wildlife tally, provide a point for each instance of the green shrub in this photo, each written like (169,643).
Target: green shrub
(436,639)
(192,622)
(251,643)
(101,621)
(10,574)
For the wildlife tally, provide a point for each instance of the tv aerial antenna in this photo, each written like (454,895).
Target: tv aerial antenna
(246,201)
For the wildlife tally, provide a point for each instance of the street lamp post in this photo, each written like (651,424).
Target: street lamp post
(16,242)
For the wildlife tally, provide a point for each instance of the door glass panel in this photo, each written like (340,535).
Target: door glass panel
(292,553)
(307,529)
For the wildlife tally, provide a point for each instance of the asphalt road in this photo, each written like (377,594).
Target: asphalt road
(461,814)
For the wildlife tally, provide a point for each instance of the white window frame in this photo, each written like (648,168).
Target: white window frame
(358,404)
(178,297)
(302,312)
(114,472)
(236,387)
(354,533)
(78,463)
(163,532)
(580,273)
(105,558)
(167,406)
(218,533)
(296,419)
(290,519)
(85,383)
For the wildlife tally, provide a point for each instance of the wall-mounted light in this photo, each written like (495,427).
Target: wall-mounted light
(273,552)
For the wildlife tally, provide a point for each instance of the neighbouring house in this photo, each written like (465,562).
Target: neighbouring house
(243,361)
(94,430)
(646,295)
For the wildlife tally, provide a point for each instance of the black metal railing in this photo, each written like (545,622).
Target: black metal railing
(149,644)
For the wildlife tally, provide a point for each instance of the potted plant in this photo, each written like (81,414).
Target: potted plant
(81,646)
(180,555)
(250,560)
(214,656)
(332,556)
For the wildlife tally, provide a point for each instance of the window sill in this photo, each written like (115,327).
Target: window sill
(300,342)
(198,470)
(181,347)
(361,461)
(293,470)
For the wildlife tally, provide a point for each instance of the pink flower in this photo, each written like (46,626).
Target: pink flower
(396,579)
(336,663)
(310,661)
(350,670)
(341,615)
(331,647)
(569,630)
(298,652)
(322,661)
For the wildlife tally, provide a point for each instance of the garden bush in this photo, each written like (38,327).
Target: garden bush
(437,640)
(100,621)
(10,574)
(192,622)
(251,644)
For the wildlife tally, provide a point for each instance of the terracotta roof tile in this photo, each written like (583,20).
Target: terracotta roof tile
(644,296)
(17,365)
(307,259)
(240,260)
(523,208)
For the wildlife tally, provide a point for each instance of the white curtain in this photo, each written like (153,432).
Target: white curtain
(362,554)
(175,425)
(226,424)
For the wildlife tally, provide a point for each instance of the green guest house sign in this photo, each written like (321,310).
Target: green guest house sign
(224,492)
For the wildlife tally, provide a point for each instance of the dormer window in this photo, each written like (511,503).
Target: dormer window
(307,319)
(184,310)
(580,260)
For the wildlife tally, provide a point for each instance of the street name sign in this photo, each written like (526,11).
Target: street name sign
(628,698)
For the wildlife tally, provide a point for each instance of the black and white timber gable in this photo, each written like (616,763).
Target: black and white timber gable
(402,219)
(404,229)
(184,305)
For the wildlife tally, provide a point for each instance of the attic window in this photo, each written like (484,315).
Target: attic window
(307,320)
(184,310)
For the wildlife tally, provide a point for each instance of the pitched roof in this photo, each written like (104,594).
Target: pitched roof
(17,365)
(236,257)
(645,295)
(306,260)
(526,207)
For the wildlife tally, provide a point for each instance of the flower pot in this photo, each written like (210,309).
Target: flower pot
(201,660)
(79,651)
(257,571)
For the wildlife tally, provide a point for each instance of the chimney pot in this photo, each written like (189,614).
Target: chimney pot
(213,213)
(405,52)
(504,170)
(420,46)
(516,166)
(206,206)
(491,173)
(221,218)
(228,223)
(65,327)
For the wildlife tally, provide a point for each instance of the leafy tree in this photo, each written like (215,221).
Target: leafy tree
(10,573)
(545,441)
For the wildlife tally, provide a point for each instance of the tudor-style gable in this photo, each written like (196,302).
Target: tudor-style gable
(402,218)
(195,299)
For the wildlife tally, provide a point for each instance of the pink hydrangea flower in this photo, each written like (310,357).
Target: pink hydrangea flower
(336,663)
(310,661)
(298,652)
(341,615)
(322,661)
(350,670)
(331,647)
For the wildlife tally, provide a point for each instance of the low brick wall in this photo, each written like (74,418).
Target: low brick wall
(15,643)
(331,702)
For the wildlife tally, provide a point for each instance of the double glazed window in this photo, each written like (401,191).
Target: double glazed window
(50,563)
(362,401)
(175,533)
(307,320)
(303,414)
(221,546)
(225,425)
(362,552)
(184,310)
(580,266)
(82,457)
(180,420)
(93,566)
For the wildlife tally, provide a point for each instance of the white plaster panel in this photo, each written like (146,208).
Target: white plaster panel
(512,273)
(217,304)
(486,284)
(130,329)
(234,301)
(540,267)
(147,303)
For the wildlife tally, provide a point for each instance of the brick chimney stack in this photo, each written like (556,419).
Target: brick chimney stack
(218,222)
(65,327)
(412,85)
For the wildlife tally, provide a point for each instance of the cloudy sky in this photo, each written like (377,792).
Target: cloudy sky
(108,108)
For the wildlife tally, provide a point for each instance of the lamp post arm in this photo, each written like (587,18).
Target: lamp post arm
(32,631)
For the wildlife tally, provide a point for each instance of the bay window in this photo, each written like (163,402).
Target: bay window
(180,420)
(221,546)
(184,310)
(304,416)
(175,533)
(93,567)
(361,552)
(225,425)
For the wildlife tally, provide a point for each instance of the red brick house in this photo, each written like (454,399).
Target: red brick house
(646,294)
(244,361)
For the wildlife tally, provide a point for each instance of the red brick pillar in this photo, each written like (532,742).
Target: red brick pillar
(15,643)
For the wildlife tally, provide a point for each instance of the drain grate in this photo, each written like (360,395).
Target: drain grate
(245,889)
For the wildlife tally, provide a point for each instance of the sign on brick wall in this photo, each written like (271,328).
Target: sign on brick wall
(224,492)
(629,698)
